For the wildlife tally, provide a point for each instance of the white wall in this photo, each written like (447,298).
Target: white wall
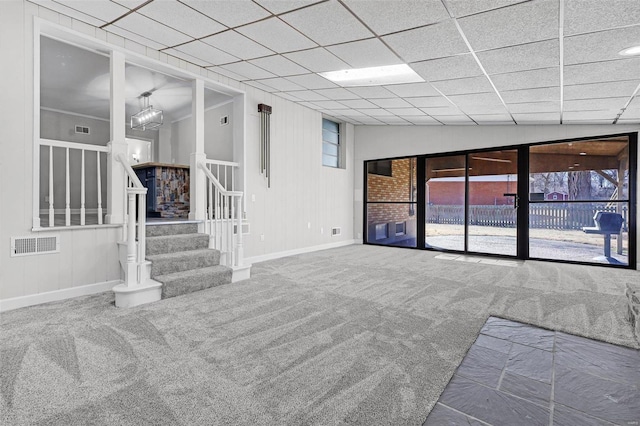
(376,142)
(302,190)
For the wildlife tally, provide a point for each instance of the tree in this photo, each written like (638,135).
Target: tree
(579,185)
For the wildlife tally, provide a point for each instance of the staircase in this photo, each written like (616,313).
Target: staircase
(181,259)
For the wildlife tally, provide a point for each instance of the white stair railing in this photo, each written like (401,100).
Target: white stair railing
(223,217)
(73,179)
(134,232)
(224,172)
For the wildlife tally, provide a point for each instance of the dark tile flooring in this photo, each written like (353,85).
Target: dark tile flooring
(516,374)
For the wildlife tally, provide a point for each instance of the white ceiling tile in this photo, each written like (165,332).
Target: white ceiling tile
(182,18)
(130,4)
(531,95)
(279,65)
(207,53)
(151,29)
(464,85)
(287,96)
(483,109)
(337,93)
(428,101)
(610,104)
(568,116)
(372,92)
(623,69)
(444,110)
(135,37)
(105,10)
(492,118)
(330,105)
(546,77)
(391,103)
(602,90)
(423,120)
(309,95)
(229,12)
(393,119)
(589,121)
(228,73)
(327,23)
(370,121)
(454,120)
(365,53)
(248,70)
(312,81)
(538,118)
(308,104)
(189,58)
(534,107)
(358,103)
(348,113)
(479,99)
(237,45)
(260,86)
(317,60)
(277,36)
(378,112)
(600,46)
(73,13)
(443,40)
(281,84)
(406,111)
(583,16)
(522,23)
(388,16)
(412,89)
(543,54)
(459,66)
(466,7)
(281,6)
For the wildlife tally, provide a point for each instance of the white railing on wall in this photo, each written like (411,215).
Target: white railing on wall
(134,231)
(87,153)
(223,218)
(224,172)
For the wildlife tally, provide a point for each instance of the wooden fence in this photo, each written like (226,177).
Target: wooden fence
(542,216)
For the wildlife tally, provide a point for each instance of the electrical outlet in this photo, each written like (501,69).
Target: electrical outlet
(261,237)
(322,230)
(359,235)
(308,225)
(253,198)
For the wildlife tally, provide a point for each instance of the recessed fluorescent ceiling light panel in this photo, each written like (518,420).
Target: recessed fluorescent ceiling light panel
(374,76)
(631,51)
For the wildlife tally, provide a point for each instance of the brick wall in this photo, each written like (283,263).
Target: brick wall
(391,188)
(480,193)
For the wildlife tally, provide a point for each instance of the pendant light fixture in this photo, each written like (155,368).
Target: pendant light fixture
(148,117)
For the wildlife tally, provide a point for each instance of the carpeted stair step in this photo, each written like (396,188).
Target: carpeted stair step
(175,243)
(168,263)
(184,282)
(171,229)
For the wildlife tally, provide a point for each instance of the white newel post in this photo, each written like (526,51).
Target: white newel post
(197,184)
(116,182)
(239,248)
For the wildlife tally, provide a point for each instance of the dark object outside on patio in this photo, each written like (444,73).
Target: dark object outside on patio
(606,224)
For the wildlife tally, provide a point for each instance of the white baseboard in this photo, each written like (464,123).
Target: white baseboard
(53,296)
(277,255)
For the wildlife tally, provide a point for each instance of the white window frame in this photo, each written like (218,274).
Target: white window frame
(340,155)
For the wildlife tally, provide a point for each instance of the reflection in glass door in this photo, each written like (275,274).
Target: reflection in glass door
(492,202)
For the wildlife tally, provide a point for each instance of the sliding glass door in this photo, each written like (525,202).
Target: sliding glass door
(569,201)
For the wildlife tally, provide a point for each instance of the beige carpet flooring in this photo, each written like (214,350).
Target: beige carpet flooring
(359,335)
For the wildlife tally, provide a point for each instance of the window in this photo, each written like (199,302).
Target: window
(330,143)
(381,168)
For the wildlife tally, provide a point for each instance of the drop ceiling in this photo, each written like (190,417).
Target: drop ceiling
(484,62)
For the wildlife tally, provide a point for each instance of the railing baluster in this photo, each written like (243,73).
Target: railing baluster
(99,179)
(82,191)
(51,209)
(67,208)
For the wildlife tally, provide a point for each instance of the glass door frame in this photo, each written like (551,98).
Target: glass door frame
(522,227)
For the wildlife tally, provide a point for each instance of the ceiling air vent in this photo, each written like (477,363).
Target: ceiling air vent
(335,232)
(25,246)
(82,129)
(224,120)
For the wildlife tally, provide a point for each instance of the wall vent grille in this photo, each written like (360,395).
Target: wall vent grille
(335,232)
(25,246)
(83,129)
